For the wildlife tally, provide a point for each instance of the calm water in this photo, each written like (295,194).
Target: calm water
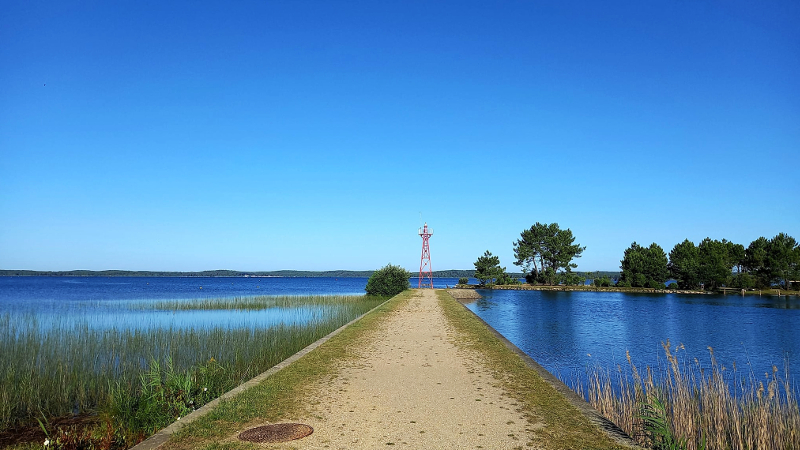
(567,331)
(122,302)
(126,303)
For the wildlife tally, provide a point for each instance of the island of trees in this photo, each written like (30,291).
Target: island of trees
(712,264)
(545,252)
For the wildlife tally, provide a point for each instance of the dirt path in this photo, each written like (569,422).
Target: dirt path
(412,387)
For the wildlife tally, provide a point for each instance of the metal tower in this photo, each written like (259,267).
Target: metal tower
(425,271)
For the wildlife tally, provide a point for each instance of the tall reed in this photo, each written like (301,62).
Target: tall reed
(251,303)
(70,367)
(703,406)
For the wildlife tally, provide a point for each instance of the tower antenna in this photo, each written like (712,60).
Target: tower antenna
(425,271)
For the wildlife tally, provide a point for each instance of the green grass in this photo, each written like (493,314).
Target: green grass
(252,303)
(53,371)
(564,427)
(279,396)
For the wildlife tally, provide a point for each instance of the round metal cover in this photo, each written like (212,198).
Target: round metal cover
(279,432)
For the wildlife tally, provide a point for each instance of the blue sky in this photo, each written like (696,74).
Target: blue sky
(314,135)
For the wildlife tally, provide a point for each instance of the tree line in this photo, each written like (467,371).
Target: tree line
(545,252)
(713,263)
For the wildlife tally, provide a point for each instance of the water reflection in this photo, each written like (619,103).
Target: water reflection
(186,319)
(568,331)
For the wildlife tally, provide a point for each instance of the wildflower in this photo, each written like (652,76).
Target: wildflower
(46,442)
(205,389)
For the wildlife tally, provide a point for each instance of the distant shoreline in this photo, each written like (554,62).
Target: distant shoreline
(454,273)
(222,273)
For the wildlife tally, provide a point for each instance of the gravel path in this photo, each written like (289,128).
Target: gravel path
(413,388)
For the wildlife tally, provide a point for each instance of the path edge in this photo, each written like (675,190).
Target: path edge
(592,415)
(163,435)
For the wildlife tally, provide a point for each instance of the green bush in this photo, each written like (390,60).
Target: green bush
(506,279)
(463,280)
(653,284)
(388,281)
(673,285)
(743,281)
(571,279)
(602,282)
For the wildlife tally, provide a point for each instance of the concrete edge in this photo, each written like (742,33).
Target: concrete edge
(163,435)
(595,418)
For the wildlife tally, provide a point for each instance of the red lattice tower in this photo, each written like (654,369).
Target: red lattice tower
(425,271)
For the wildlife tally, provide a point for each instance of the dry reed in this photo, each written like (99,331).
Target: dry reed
(706,407)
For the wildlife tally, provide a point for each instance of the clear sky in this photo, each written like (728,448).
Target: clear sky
(313,135)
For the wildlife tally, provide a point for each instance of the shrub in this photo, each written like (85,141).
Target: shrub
(463,280)
(602,282)
(505,278)
(673,285)
(653,284)
(743,281)
(571,279)
(388,281)
(622,283)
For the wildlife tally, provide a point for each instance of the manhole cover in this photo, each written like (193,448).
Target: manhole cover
(279,432)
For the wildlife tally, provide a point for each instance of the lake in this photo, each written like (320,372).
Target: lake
(69,342)
(563,331)
(566,332)
(121,302)
(126,303)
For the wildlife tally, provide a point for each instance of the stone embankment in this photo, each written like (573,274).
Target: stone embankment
(464,294)
(529,287)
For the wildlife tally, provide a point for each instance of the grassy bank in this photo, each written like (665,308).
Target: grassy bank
(691,406)
(280,396)
(559,424)
(140,380)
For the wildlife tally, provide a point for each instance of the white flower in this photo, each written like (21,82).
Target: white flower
(46,442)
(205,389)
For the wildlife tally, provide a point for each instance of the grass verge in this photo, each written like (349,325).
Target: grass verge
(564,427)
(279,397)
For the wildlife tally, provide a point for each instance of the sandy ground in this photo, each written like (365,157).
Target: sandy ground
(413,388)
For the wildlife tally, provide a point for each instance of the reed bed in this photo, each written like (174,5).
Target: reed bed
(70,367)
(686,405)
(251,303)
